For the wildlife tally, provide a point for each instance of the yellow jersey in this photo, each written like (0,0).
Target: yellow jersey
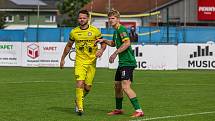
(84,44)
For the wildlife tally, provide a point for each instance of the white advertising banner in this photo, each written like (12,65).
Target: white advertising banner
(152,57)
(43,54)
(10,54)
(196,56)
(48,54)
(149,57)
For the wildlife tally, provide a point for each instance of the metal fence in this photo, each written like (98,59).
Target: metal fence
(147,35)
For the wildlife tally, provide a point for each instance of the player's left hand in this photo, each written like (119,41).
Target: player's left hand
(99,53)
(112,57)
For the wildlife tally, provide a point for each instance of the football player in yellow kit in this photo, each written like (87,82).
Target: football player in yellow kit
(84,37)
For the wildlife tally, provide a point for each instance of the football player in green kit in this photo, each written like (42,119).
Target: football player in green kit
(127,63)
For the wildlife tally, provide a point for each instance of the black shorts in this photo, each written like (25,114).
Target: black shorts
(124,73)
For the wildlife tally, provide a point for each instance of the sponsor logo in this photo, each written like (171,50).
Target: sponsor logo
(50,48)
(201,53)
(141,64)
(123,34)
(137,53)
(6,47)
(33,51)
(206,9)
(201,63)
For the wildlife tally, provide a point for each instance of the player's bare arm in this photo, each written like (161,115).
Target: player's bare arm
(65,52)
(124,46)
(108,42)
(99,53)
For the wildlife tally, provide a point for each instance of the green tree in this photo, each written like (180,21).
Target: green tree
(68,10)
(2,20)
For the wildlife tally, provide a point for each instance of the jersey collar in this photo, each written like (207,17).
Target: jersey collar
(118,26)
(86,28)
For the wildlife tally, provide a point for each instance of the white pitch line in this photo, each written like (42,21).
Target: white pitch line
(174,116)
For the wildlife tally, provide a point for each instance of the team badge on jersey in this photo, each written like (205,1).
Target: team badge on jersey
(123,34)
(89,34)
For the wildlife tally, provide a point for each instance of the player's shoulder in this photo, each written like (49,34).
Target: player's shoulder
(93,28)
(75,29)
(121,27)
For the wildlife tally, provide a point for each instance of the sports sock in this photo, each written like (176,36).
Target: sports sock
(135,103)
(79,98)
(119,103)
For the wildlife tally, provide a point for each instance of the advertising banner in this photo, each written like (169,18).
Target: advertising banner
(196,56)
(30,54)
(10,53)
(152,57)
(43,54)
(48,54)
(206,10)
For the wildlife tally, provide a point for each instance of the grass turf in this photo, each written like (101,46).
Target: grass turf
(47,94)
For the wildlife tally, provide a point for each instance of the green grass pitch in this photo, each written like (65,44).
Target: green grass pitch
(47,94)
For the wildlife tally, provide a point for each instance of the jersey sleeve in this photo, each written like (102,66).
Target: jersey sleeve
(71,36)
(123,34)
(98,34)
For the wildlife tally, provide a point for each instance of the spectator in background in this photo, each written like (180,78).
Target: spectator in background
(133,35)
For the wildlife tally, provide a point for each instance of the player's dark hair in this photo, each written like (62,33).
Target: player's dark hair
(84,12)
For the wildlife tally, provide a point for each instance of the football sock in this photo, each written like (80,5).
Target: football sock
(119,103)
(79,98)
(135,103)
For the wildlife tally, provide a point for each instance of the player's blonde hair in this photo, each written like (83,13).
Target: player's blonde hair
(114,12)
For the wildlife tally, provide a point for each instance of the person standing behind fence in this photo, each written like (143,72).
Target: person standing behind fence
(133,35)
(84,37)
(127,63)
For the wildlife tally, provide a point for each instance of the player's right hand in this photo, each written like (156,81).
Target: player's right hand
(62,62)
(99,53)
(98,41)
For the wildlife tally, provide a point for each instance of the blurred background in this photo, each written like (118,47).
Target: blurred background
(154,21)
(44,25)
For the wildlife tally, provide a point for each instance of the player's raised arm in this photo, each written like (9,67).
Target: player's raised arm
(108,42)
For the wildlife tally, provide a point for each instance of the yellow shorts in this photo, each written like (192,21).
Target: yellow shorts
(85,72)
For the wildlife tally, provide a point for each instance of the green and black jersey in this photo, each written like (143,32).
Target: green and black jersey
(126,58)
